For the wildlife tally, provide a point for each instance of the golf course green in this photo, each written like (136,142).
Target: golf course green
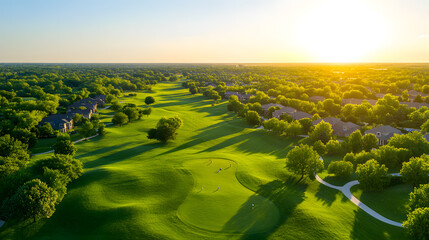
(136,188)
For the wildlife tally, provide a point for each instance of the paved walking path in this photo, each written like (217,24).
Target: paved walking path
(1,223)
(80,140)
(346,191)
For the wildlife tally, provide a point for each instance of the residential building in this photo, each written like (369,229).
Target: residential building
(383,133)
(298,115)
(60,122)
(279,112)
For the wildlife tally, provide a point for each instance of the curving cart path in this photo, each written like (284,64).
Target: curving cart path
(346,191)
(80,140)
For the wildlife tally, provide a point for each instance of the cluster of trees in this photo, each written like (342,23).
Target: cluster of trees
(130,112)
(33,191)
(292,86)
(28,93)
(399,149)
(291,128)
(418,213)
(89,127)
(165,129)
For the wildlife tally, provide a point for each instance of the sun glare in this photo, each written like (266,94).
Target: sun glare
(341,31)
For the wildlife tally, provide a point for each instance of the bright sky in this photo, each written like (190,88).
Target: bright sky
(224,31)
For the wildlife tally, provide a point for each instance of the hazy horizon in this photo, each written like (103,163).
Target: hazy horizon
(255,31)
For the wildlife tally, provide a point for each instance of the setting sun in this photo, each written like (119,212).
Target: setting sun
(340,31)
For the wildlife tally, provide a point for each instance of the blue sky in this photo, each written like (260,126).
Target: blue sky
(214,31)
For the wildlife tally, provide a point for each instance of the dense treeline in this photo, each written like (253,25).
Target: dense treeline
(388,87)
(30,92)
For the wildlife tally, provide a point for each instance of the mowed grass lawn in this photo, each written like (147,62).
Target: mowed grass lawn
(135,188)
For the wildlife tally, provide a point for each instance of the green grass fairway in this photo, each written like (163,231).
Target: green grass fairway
(391,202)
(135,188)
(217,195)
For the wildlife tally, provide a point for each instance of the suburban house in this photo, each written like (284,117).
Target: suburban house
(86,107)
(383,133)
(241,97)
(357,101)
(414,93)
(60,122)
(331,120)
(415,104)
(265,107)
(316,98)
(380,95)
(298,115)
(344,129)
(279,112)
(340,128)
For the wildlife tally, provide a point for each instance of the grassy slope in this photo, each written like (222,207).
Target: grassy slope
(134,188)
(391,202)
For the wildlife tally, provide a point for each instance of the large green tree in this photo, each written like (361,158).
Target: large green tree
(340,168)
(355,141)
(64,145)
(149,100)
(303,161)
(13,155)
(369,141)
(165,129)
(35,199)
(322,131)
(252,118)
(416,170)
(46,130)
(66,164)
(417,223)
(419,198)
(120,118)
(131,112)
(372,175)
(413,141)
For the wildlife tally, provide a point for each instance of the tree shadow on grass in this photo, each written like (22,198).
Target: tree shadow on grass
(213,132)
(216,110)
(82,220)
(122,155)
(366,227)
(278,146)
(327,195)
(285,195)
(257,142)
(189,102)
(102,150)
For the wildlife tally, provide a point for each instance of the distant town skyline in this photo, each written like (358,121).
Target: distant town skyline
(234,31)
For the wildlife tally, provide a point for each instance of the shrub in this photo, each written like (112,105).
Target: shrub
(341,168)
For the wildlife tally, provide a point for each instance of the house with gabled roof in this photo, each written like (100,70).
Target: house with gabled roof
(357,101)
(340,128)
(241,97)
(316,98)
(344,129)
(383,133)
(265,107)
(331,120)
(279,112)
(298,115)
(60,122)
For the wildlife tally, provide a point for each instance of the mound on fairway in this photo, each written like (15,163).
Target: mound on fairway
(217,197)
